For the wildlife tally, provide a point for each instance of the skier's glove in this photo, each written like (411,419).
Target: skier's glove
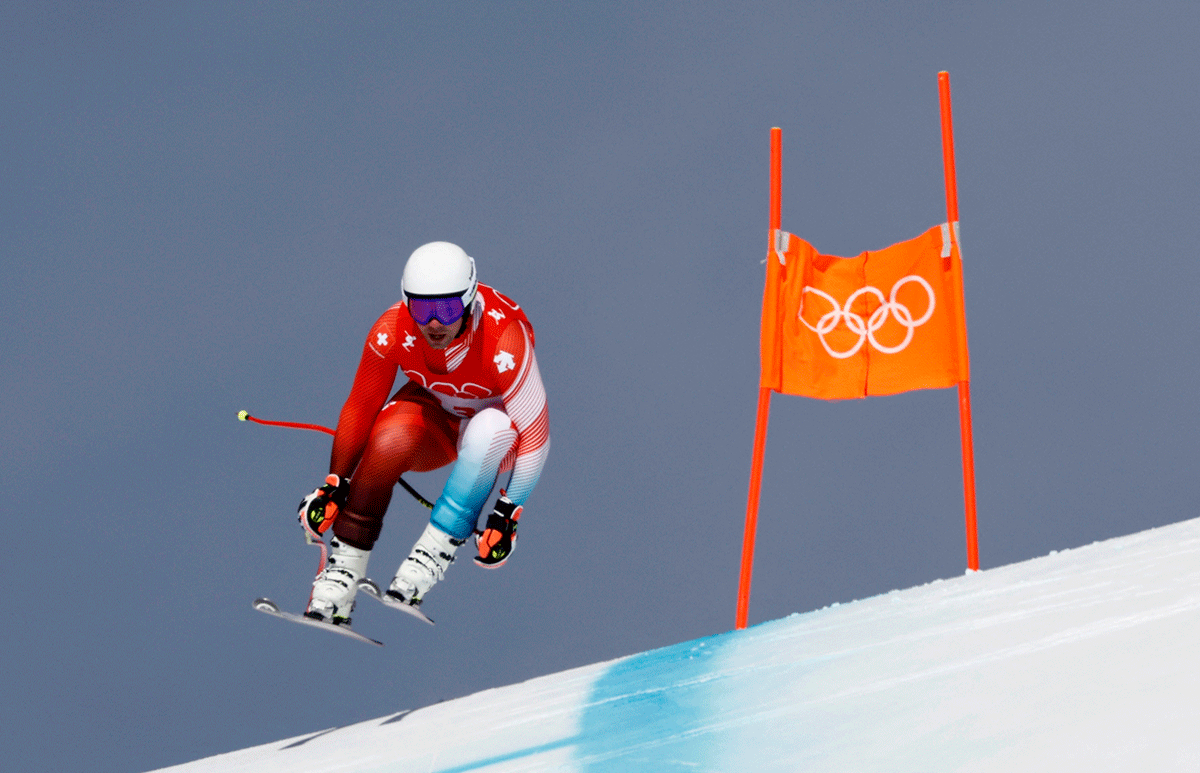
(319,509)
(497,541)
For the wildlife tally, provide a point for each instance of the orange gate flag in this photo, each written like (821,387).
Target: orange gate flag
(880,323)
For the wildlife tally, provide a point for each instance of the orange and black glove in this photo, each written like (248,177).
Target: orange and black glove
(319,509)
(497,541)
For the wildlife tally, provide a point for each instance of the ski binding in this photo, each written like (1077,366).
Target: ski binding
(369,587)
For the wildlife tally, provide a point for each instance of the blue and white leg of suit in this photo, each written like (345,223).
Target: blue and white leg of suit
(484,445)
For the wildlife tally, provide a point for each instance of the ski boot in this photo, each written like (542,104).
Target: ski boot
(333,591)
(424,567)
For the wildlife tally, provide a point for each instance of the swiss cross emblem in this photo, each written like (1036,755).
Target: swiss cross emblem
(504,361)
(381,339)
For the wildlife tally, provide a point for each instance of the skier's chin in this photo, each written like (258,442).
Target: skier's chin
(439,336)
(438,340)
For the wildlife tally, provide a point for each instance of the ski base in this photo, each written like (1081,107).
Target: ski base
(269,607)
(369,587)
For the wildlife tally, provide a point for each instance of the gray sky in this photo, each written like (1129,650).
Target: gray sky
(206,205)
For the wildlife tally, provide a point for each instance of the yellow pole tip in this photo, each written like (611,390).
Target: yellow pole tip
(242,415)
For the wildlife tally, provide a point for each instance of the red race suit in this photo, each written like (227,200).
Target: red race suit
(488,370)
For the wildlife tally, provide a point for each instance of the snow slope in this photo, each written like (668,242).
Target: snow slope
(1080,660)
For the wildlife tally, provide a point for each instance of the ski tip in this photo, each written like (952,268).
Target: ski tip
(265,605)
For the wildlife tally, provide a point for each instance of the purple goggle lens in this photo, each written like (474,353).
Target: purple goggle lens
(446,310)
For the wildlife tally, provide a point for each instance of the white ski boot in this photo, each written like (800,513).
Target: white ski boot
(333,590)
(425,565)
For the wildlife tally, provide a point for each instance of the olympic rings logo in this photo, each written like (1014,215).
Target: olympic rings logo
(866,329)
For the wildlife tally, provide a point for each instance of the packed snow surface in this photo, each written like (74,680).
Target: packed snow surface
(1080,660)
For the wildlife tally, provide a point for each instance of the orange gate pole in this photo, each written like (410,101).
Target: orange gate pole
(764,408)
(964,387)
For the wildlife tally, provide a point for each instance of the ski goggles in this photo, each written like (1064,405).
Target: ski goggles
(446,309)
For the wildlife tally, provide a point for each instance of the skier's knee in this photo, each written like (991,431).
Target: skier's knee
(490,421)
(487,425)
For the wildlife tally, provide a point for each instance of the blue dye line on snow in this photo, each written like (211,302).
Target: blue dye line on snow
(646,712)
(650,711)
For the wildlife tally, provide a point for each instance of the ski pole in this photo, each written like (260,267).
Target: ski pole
(245,416)
(416,496)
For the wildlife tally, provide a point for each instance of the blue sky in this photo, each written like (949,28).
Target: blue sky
(206,205)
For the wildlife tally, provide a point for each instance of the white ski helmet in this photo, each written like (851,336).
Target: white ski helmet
(440,269)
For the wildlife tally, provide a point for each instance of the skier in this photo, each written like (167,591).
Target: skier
(474,397)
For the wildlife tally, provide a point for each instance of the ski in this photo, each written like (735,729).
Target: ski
(271,608)
(369,587)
